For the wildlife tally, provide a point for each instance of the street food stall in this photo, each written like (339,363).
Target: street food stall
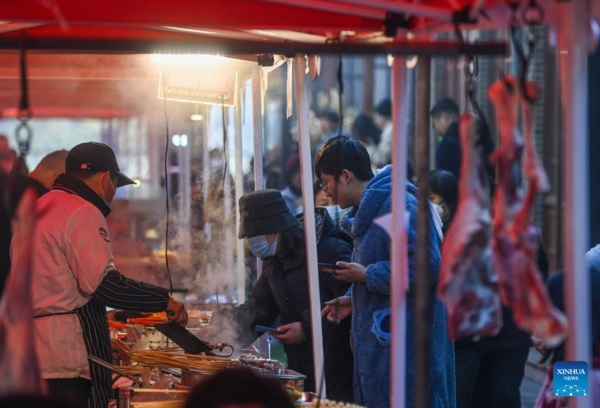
(71,60)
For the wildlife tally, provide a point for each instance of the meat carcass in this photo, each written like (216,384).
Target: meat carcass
(468,285)
(516,240)
(19,368)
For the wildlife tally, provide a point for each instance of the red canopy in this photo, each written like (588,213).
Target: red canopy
(94,84)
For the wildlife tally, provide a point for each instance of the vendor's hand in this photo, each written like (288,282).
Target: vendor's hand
(337,309)
(539,345)
(120,350)
(178,313)
(348,271)
(291,333)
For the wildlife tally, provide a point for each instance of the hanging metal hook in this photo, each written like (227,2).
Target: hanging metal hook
(532,15)
(471,73)
(513,5)
(458,32)
(24,113)
(525,59)
(23,135)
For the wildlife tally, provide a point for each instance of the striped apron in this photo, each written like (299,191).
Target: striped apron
(94,323)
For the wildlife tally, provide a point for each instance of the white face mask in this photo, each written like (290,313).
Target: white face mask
(440,210)
(335,212)
(261,248)
(108,203)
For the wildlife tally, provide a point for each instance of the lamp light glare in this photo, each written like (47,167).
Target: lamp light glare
(176,139)
(197,117)
(184,140)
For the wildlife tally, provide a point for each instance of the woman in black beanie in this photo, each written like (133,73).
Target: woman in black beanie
(277,237)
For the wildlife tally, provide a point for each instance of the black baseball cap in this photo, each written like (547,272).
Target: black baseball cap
(384,108)
(94,157)
(330,114)
(445,105)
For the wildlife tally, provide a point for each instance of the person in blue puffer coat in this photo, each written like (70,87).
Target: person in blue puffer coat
(344,168)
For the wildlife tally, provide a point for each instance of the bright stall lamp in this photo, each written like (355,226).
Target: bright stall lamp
(196,117)
(176,139)
(184,140)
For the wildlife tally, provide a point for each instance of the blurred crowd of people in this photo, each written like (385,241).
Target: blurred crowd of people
(352,187)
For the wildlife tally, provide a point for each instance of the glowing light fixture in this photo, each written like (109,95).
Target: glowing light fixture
(184,140)
(196,117)
(137,182)
(176,139)
(187,58)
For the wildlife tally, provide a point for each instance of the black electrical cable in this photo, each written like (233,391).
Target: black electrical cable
(167,186)
(340,78)
(225,162)
(224,174)
(23,141)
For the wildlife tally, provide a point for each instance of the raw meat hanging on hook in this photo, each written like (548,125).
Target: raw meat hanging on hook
(516,240)
(505,98)
(468,285)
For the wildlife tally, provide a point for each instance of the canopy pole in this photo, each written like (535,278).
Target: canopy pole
(240,266)
(194,46)
(423,277)
(228,206)
(259,184)
(310,234)
(399,248)
(573,74)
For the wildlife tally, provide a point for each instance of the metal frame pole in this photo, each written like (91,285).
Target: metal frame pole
(240,266)
(308,200)
(573,73)
(399,248)
(258,166)
(423,278)
(186,192)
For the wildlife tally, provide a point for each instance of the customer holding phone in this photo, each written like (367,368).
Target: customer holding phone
(277,237)
(344,167)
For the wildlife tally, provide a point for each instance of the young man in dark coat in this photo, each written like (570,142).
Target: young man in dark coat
(277,237)
(444,118)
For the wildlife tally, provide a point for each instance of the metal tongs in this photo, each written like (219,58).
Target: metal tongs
(112,368)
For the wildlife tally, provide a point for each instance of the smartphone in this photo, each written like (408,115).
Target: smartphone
(327,266)
(265,329)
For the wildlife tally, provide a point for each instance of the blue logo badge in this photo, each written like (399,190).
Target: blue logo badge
(570,379)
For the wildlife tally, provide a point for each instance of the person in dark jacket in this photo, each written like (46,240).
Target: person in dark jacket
(41,180)
(444,118)
(277,237)
(489,371)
